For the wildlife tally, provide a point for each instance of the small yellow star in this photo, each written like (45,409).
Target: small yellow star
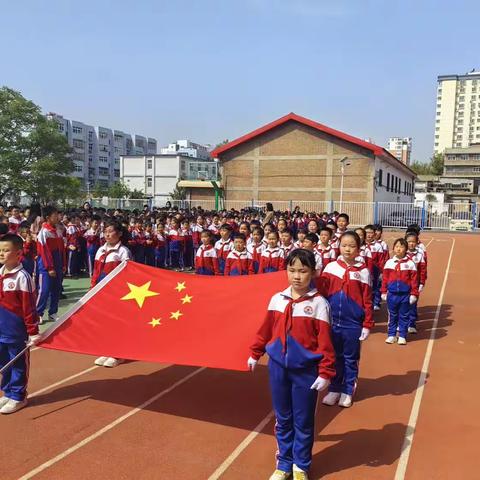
(176,315)
(155,322)
(187,299)
(139,293)
(180,286)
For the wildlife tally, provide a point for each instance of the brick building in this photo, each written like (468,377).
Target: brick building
(294,158)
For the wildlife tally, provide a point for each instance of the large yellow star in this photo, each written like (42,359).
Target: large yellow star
(180,286)
(176,315)
(187,299)
(139,293)
(155,322)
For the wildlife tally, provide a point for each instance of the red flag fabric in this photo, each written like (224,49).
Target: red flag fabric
(143,313)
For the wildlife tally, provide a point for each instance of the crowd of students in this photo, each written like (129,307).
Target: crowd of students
(338,278)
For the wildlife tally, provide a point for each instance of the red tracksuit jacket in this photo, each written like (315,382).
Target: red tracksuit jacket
(400,277)
(296,333)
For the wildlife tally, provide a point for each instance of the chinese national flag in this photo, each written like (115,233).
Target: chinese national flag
(144,313)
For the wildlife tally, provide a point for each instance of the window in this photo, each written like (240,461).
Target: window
(78,168)
(149,181)
(90,136)
(116,173)
(61,127)
(76,129)
(103,134)
(476,169)
(388,182)
(380,177)
(103,159)
(149,163)
(461,105)
(77,143)
(103,148)
(103,171)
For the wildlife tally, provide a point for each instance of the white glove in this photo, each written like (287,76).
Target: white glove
(420,287)
(320,384)
(384,297)
(364,335)
(252,363)
(34,340)
(413,299)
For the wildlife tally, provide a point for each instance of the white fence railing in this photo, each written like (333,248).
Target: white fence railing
(428,215)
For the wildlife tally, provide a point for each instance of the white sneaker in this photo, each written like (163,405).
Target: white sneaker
(3,401)
(13,406)
(345,400)
(412,330)
(100,361)
(331,398)
(401,341)
(299,474)
(280,475)
(390,340)
(111,362)
(41,320)
(376,308)
(53,318)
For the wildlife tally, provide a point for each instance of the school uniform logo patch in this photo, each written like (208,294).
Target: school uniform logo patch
(308,310)
(11,285)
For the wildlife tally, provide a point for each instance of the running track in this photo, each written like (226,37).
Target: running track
(151,421)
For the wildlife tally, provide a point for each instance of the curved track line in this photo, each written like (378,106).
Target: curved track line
(241,447)
(412,421)
(108,427)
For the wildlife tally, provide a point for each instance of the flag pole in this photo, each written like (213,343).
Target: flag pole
(13,360)
(70,312)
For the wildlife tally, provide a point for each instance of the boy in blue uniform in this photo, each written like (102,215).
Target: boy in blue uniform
(18,323)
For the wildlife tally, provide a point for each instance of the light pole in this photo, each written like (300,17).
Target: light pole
(343,163)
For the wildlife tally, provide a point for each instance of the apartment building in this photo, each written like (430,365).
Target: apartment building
(400,148)
(96,151)
(457,120)
(187,148)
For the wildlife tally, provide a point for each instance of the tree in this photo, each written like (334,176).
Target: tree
(223,142)
(119,190)
(436,163)
(179,193)
(433,167)
(99,190)
(34,157)
(136,194)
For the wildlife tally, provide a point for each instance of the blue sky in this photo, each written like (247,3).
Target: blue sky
(214,69)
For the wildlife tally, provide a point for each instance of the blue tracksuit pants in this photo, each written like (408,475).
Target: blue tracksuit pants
(413,315)
(49,288)
(376,286)
(347,352)
(398,314)
(160,256)
(91,252)
(294,404)
(74,259)
(15,378)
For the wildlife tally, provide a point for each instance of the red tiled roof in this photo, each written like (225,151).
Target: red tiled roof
(375,149)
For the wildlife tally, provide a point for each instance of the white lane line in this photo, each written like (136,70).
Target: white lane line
(61,382)
(245,443)
(412,421)
(108,427)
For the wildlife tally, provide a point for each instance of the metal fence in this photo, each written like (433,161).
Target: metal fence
(429,215)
